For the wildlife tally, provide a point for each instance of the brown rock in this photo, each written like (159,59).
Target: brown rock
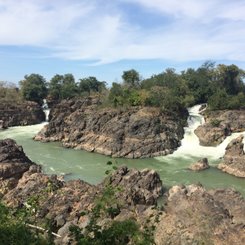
(3,125)
(138,187)
(20,114)
(202,164)
(13,161)
(193,215)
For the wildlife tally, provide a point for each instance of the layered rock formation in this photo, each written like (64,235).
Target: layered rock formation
(129,133)
(189,214)
(20,114)
(234,158)
(219,125)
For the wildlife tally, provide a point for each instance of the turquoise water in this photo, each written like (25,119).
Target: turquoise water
(91,167)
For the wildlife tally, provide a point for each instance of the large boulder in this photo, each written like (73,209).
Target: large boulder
(234,158)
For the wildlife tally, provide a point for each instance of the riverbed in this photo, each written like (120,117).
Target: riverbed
(91,167)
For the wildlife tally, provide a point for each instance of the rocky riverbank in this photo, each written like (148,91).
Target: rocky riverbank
(136,132)
(20,114)
(220,124)
(187,214)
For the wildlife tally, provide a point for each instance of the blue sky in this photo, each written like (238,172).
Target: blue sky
(104,37)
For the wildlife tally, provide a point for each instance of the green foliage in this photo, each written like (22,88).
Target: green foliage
(219,100)
(33,88)
(131,78)
(220,86)
(230,78)
(13,229)
(91,84)
(65,87)
(113,232)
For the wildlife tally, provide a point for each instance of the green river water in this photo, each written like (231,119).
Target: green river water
(91,167)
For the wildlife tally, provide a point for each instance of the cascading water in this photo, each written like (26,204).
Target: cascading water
(46,109)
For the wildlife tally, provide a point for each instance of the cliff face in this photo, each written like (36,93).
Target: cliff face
(189,214)
(129,133)
(20,114)
(220,124)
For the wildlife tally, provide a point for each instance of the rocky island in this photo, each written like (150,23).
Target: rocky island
(219,124)
(135,132)
(188,214)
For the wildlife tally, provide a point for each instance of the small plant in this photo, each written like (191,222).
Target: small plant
(215,122)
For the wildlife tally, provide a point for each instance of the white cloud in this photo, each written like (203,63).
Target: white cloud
(100,30)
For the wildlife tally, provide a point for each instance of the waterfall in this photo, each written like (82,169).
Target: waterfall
(46,110)
(190,145)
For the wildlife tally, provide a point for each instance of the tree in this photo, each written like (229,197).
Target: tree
(90,84)
(219,100)
(116,94)
(62,87)
(69,87)
(55,85)
(131,78)
(230,78)
(33,88)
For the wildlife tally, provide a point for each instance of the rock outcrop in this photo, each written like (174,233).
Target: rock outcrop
(219,125)
(13,164)
(20,114)
(13,161)
(193,215)
(139,187)
(202,164)
(130,133)
(234,158)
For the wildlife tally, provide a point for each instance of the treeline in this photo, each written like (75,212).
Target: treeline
(221,86)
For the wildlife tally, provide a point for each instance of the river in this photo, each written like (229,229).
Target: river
(91,167)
